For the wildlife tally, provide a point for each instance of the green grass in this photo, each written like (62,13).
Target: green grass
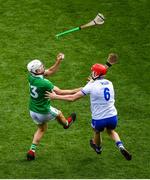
(27,31)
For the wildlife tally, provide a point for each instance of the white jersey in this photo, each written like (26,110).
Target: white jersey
(102,98)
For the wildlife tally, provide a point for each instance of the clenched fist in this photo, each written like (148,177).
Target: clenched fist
(60,56)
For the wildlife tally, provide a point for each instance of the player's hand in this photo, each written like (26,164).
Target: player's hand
(89,79)
(60,56)
(50,95)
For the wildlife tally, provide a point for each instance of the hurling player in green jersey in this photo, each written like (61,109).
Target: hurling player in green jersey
(40,108)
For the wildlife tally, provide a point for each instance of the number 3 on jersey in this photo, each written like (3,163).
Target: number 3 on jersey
(106,94)
(33,93)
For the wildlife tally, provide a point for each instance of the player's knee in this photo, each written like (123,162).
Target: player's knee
(60,114)
(42,127)
(97,132)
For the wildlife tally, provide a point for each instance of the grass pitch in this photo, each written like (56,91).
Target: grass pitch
(27,31)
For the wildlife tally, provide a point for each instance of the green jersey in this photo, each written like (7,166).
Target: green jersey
(38,86)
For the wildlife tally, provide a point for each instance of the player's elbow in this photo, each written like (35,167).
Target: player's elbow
(59,92)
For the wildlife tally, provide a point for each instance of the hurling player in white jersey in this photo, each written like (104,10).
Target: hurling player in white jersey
(104,113)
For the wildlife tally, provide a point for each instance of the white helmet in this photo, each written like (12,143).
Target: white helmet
(34,65)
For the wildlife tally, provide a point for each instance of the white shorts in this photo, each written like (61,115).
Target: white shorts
(42,118)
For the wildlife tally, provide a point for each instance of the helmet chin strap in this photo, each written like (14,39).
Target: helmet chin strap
(97,77)
(94,78)
(42,73)
(33,73)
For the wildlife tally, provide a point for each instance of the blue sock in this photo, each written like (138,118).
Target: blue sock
(119,144)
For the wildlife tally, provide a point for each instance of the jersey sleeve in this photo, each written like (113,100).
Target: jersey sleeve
(49,86)
(86,89)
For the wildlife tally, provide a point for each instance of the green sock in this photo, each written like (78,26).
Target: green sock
(33,147)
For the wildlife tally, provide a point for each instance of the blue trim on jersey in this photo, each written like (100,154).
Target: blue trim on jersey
(83,92)
(100,124)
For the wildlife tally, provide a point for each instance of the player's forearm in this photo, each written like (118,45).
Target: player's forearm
(72,97)
(53,68)
(65,97)
(69,92)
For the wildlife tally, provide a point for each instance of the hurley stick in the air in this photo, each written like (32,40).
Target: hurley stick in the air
(98,20)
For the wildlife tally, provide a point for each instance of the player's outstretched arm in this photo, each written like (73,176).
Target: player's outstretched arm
(65,91)
(73,97)
(55,67)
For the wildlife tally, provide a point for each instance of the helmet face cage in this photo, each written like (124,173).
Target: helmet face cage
(41,70)
(94,76)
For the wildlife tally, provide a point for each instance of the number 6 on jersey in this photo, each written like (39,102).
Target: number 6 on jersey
(106,94)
